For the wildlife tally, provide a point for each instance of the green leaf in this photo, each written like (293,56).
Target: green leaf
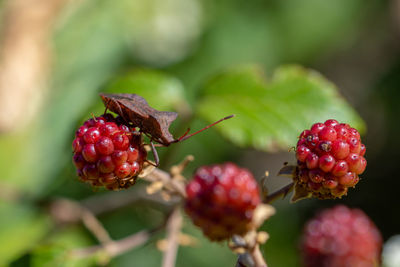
(57,250)
(161,91)
(21,226)
(271,114)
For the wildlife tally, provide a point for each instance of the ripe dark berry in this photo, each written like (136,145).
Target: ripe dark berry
(341,237)
(92,135)
(332,155)
(302,153)
(221,200)
(108,154)
(105,145)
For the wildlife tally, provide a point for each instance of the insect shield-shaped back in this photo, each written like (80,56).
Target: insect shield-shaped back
(134,108)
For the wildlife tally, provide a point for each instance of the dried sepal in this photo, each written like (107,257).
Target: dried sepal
(184,240)
(300,193)
(154,187)
(288,171)
(261,214)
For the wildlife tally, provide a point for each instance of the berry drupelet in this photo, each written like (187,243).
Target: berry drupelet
(221,200)
(108,152)
(330,158)
(341,237)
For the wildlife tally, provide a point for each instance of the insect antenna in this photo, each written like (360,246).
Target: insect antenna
(186,136)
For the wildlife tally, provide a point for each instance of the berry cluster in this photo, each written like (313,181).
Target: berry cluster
(330,157)
(108,152)
(221,200)
(341,237)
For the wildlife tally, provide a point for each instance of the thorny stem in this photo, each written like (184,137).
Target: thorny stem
(173,228)
(281,192)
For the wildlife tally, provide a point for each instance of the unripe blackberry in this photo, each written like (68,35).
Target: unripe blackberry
(334,151)
(108,153)
(221,200)
(341,237)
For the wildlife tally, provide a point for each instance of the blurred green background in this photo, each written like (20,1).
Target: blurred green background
(278,65)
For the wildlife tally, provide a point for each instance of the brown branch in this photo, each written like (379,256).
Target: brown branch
(173,228)
(251,258)
(114,200)
(64,210)
(118,247)
(258,257)
(279,193)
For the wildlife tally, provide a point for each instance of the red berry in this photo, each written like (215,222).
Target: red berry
(326,163)
(349,179)
(302,153)
(362,150)
(79,161)
(354,145)
(330,158)
(105,155)
(121,141)
(340,168)
(354,133)
(91,171)
(329,184)
(324,147)
(317,127)
(362,166)
(133,154)
(331,123)
(108,129)
(328,134)
(108,178)
(135,168)
(81,131)
(89,153)
(342,132)
(312,161)
(119,157)
(92,135)
(341,237)
(221,200)
(316,176)
(123,170)
(105,164)
(312,140)
(77,145)
(304,133)
(104,145)
(354,161)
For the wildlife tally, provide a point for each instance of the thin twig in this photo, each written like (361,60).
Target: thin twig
(258,257)
(110,201)
(281,192)
(95,227)
(173,228)
(117,247)
(65,210)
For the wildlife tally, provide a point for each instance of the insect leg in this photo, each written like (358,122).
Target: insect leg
(156,158)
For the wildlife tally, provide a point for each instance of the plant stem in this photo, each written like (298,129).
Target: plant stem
(173,228)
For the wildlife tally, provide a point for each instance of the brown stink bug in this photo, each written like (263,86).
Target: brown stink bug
(135,111)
